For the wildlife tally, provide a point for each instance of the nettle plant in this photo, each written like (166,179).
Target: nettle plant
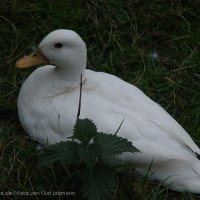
(96,156)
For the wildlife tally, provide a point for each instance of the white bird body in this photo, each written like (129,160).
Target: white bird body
(48,105)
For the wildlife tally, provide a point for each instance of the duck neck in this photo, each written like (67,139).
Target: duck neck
(70,68)
(69,76)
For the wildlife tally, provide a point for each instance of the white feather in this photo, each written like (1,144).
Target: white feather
(48,105)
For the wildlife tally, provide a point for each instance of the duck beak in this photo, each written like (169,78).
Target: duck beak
(33,59)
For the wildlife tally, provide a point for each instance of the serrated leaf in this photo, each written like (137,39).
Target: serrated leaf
(88,155)
(112,160)
(64,152)
(84,130)
(109,144)
(98,185)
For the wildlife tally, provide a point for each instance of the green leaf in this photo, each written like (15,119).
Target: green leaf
(112,160)
(84,130)
(98,185)
(64,152)
(112,145)
(88,155)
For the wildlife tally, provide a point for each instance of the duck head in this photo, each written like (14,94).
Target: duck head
(63,48)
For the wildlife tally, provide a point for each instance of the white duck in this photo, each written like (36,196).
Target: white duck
(48,104)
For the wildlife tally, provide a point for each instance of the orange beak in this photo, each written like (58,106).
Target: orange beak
(33,59)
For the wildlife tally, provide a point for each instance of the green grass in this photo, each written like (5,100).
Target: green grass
(120,36)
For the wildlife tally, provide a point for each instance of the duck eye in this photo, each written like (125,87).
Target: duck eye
(58,45)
